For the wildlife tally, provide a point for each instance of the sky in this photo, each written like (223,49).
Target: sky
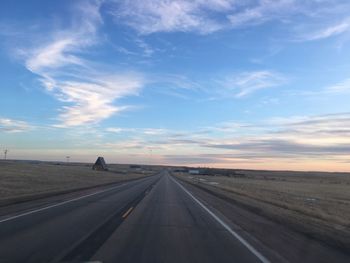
(255,84)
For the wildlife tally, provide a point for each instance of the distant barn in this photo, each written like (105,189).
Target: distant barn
(100,165)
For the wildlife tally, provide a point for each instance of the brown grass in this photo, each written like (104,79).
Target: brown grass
(21,179)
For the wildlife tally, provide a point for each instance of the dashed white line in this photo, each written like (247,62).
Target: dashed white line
(222,223)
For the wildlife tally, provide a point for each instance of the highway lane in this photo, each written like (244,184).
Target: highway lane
(153,219)
(47,234)
(171,225)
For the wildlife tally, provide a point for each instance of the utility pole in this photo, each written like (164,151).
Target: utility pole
(67,158)
(5,153)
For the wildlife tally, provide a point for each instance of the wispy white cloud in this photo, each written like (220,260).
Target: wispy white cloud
(324,136)
(167,16)
(14,126)
(246,83)
(275,140)
(154,132)
(63,46)
(54,55)
(304,20)
(118,130)
(327,32)
(127,145)
(263,11)
(138,131)
(323,129)
(219,85)
(200,16)
(300,137)
(342,87)
(93,101)
(146,48)
(88,92)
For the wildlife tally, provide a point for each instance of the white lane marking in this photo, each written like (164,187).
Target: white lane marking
(243,241)
(62,203)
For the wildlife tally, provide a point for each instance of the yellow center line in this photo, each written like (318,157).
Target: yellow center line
(127,212)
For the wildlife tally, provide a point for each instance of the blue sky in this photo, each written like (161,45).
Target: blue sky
(225,83)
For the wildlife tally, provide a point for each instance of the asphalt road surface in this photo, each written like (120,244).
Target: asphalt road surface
(154,219)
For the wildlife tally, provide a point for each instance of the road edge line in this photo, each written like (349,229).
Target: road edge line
(223,224)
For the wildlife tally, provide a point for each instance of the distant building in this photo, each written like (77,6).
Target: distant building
(100,165)
(135,166)
(193,171)
(180,170)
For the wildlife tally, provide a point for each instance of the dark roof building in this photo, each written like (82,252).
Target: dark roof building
(135,166)
(100,165)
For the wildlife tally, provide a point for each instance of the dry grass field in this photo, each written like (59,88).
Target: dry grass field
(24,179)
(316,204)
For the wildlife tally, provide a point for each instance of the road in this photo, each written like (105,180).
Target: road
(154,219)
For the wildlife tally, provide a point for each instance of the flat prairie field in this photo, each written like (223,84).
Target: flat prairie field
(25,179)
(314,203)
